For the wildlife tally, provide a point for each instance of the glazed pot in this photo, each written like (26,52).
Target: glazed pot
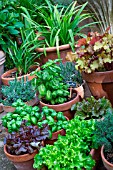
(107,164)
(51,53)
(21,162)
(31,102)
(5,79)
(54,138)
(100,84)
(65,107)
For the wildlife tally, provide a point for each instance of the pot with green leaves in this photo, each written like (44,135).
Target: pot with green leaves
(95,60)
(75,147)
(104,134)
(90,108)
(53,92)
(18,90)
(72,77)
(21,147)
(23,58)
(59,28)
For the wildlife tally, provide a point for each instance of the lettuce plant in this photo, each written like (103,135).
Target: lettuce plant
(92,108)
(93,53)
(70,151)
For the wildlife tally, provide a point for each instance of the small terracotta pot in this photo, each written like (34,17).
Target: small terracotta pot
(100,84)
(31,102)
(5,79)
(51,53)
(65,107)
(21,162)
(80,89)
(107,164)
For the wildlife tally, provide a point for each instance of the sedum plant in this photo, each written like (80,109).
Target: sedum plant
(70,151)
(49,83)
(26,140)
(70,75)
(93,53)
(17,90)
(92,108)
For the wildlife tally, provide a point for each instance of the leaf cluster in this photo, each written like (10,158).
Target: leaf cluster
(104,133)
(70,151)
(70,75)
(26,140)
(91,108)
(17,90)
(49,83)
(93,52)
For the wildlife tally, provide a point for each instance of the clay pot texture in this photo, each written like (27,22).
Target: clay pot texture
(51,53)
(107,164)
(5,79)
(100,84)
(80,89)
(21,162)
(65,107)
(31,102)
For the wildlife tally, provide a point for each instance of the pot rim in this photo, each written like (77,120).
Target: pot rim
(104,159)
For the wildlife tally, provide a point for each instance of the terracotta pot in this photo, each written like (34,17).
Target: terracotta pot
(100,84)
(80,89)
(21,162)
(1,108)
(32,102)
(54,138)
(5,79)
(107,164)
(65,107)
(51,53)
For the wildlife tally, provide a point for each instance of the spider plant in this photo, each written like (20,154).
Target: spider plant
(61,24)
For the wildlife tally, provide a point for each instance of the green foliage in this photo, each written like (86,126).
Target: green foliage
(93,53)
(49,83)
(104,133)
(92,108)
(17,90)
(70,75)
(34,116)
(70,151)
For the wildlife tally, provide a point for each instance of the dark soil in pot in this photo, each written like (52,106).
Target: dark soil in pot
(109,156)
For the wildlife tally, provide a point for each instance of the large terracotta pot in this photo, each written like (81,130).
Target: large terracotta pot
(5,79)
(21,162)
(51,53)
(100,84)
(31,102)
(65,107)
(107,164)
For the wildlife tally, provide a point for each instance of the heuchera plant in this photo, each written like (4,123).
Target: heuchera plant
(26,140)
(92,53)
(70,151)
(92,108)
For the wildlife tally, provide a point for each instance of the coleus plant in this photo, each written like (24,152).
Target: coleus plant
(92,108)
(70,151)
(49,83)
(26,140)
(93,53)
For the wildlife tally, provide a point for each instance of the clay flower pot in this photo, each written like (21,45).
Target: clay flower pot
(107,164)
(51,53)
(80,89)
(21,162)
(6,76)
(65,107)
(31,102)
(100,84)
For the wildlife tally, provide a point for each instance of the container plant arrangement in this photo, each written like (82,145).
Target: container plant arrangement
(104,134)
(56,121)
(21,147)
(18,90)
(90,108)
(53,92)
(70,151)
(72,77)
(59,29)
(94,59)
